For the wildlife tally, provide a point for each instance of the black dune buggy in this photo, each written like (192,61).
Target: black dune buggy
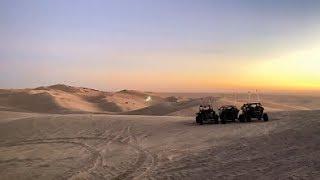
(252,110)
(228,113)
(206,114)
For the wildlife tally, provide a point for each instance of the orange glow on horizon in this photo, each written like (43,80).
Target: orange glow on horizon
(293,71)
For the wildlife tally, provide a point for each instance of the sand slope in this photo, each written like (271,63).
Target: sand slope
(165,108)
(63,99)
(84,146)
(67,99)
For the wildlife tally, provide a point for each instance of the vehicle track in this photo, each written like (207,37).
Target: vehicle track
(144,161)
(70,173)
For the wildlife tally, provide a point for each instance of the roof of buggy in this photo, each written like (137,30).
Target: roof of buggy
(252,103)
(227,106)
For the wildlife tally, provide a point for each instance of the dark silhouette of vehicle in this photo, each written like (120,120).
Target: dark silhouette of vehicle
(206,114)
(228,113)
(252,110)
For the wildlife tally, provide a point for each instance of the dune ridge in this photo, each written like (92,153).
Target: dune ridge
(68,99)
(64,99)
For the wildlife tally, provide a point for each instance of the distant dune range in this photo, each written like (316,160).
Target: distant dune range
(63,99)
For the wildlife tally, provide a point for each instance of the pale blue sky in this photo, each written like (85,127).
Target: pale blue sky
(90,43)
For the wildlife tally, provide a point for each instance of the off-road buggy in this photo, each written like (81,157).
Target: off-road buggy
(228,113)
(206,114)
(252,110)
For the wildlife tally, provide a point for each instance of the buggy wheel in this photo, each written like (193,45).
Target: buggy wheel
(201,120)
(216,119)
(248,118)
(265,117)
(223,119)
(241,118)
(197,119)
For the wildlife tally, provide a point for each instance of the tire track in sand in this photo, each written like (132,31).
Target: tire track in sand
(95,154)
(144,161)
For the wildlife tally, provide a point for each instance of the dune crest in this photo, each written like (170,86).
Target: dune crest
(64,99)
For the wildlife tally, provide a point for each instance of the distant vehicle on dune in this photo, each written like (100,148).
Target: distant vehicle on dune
(228,113)
(252,110)
(206,114)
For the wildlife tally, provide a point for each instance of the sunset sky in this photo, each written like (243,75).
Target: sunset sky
(164,45)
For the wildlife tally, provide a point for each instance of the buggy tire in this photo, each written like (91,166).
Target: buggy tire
(223,119)
(216,119)
(248,118)
(197,119)
(241,118)
(265,117)
(201,120)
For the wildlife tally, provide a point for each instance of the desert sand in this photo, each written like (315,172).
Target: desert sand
(63,132)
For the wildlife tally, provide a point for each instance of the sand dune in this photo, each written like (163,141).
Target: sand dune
(87,146)
(165,108)
(28,101)
(67,99)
